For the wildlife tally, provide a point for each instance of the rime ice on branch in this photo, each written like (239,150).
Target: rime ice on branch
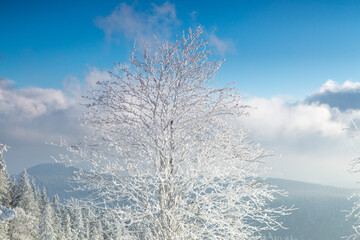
(167,160)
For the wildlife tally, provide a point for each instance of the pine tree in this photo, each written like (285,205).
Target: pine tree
(77,225)
(5,192)
(43,201)
(86,222)
(23,226)
(36,190)
(96,231)
(56,208)
(4,229)
(67,226)
(24,195)
(13,191)
(46,227)
(5,183)
(24,200)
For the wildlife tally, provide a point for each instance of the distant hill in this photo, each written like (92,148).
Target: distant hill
(320,214)
(56,178)
(321,210)
(51,169)
(298,188)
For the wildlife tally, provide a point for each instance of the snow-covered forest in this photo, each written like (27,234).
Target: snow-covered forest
(37,217)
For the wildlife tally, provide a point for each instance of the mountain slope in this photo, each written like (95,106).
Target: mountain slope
(56,179)
(320,213)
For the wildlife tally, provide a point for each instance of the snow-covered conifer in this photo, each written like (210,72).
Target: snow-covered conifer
(67,226)
(57,215)
(78,230)
(43,201)
(23,226)
(4,230)
(46,226)
(24,200)
(24,195)
(5,183)
(96,231)
(86,222)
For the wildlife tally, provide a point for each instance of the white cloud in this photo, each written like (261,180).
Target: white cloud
(310,137)
(332,86)
(222,46)
(161,21)
(344,97)
(75,89)
(31,116)
(28,118)
(125,19)
(274,117)
(29,102)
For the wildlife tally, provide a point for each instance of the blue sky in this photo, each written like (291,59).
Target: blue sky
(275,47)
(296,62)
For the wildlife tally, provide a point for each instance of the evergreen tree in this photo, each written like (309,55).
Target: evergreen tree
(4,229)
(86,222)
(96,232)
(56,208)
(5,183)
(36,190)
(77,225)
(67,226)
(24,195)
(46,227)
(43,201)
(23,227)
(5,192)
(13,190)
(5,188)
(56,205)
(24,201)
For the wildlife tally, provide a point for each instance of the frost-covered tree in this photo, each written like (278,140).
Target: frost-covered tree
(5,186)
(43,200)
(96,232)
(57,216)
(46,226)
(78,229)
(23,227)
(24,195)
(6,214)
(67,226)
(165,153)
(4,230)
(24,200)
(5,196)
